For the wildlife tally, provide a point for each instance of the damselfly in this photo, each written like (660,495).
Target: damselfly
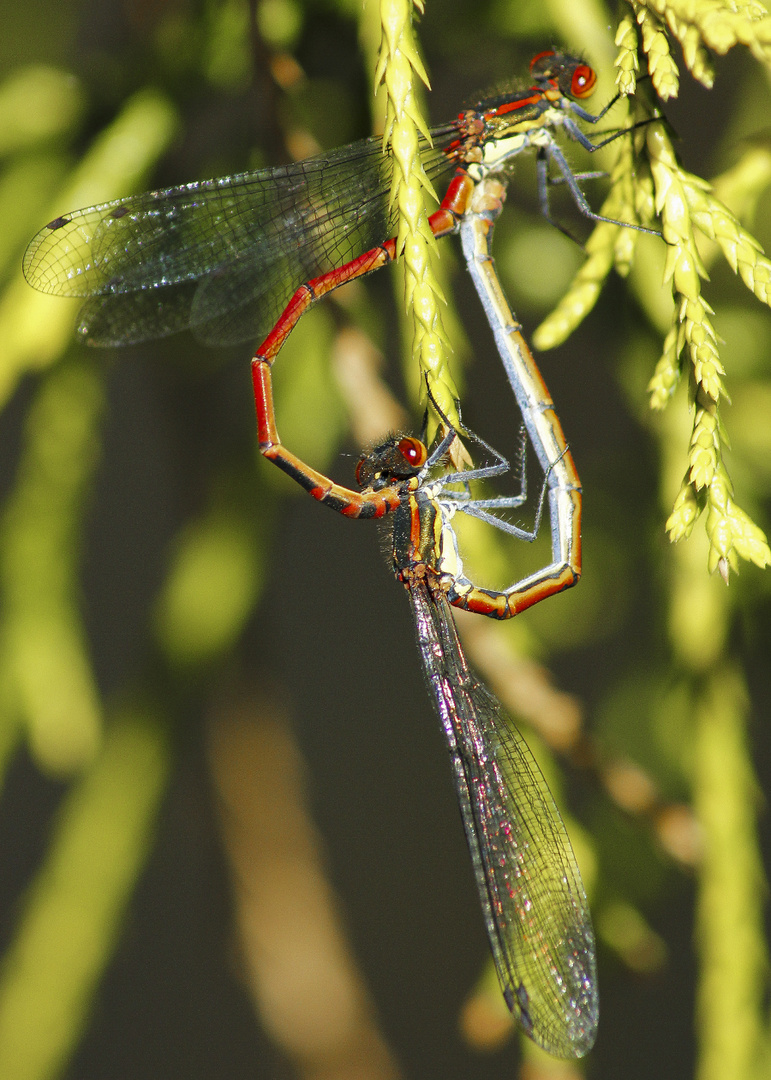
(529,885)
(231,258)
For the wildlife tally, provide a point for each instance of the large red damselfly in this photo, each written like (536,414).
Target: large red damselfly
(231,258)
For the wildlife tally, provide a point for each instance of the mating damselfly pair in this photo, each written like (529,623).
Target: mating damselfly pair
(233,258)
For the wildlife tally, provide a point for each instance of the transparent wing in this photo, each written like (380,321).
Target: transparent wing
(220,257)
(535,907)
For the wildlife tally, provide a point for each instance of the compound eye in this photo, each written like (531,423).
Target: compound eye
(413,451)
(582,82)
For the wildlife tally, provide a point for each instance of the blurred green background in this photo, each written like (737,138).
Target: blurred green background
(229,844)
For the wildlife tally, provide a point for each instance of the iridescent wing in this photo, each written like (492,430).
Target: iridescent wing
(219,257)
(535,907)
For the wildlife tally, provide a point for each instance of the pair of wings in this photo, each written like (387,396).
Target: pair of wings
(219,257)
(535,907)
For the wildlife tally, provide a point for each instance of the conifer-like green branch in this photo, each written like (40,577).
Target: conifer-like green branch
(404,126)
(648,184)
(685,204)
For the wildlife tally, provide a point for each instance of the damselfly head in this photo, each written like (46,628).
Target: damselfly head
(568,74)
(398,457)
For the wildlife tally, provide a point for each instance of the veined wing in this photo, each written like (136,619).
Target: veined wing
(535,907)
(221,257)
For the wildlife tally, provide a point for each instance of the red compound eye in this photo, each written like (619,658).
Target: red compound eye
(359,474)
(582,82)
(413,451)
